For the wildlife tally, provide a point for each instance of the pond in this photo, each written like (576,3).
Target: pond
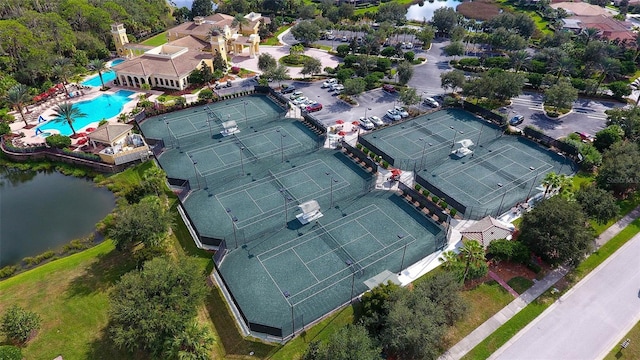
(42,211)
(424,11)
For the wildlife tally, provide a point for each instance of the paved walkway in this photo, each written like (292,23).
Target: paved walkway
(503,283)
(488,327)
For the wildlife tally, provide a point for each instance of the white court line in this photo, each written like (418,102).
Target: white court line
(274,281)
(305,265)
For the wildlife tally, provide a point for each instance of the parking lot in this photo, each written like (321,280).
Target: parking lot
(374,102)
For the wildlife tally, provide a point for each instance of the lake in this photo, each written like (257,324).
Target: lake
(425,11)
(43,211)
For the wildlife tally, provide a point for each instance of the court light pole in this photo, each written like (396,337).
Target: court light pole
(401,236)
(455,133)
(166,122)
(244,104)
(532,185)
(282,136)
(242,160)
(424,146)
(209,123)
(331,181)
(195,170)
(287,198)
(234,220)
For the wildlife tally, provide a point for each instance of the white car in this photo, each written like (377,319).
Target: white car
(376,120)
(401,111)
(336,87)
(366,123)
(431,102)
(296,94)
(329,83)
(300,100)
(393,115)
(304,105)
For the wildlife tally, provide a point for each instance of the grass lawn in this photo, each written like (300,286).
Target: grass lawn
(520,284)
(484,301)
(273,40)
(70,295)
(632,351)
(157,40)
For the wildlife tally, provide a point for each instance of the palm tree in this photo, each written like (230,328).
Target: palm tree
(450,260)
(17,96)
(239,20)
(472,253)
(589,34)
(194,342)
(66,112)
(550,181)
(519,59)
(214,32)
(562,66)
(99,66)
(635,86)
(62,73)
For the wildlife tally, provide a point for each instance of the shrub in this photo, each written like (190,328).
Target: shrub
(4,128)
(509,250)
(409,56)
(28,260)
(44,256)
(58,141)
(235,69)
(359,146)
(385,164)
(453,212)
(443,204)
(5,272)
(343,50)
(19,325)
(9,352)
(418,187)
(435,199)
(534,267)
(77,245)
(205,94)
(469,62)
(426,192)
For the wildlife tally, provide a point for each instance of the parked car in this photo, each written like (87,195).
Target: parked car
(376,120)
(329,82)
(337,87)
(314,107)
(584,136)
(303,105)
(228,84)
(345,38)
(296,94)
(431,102)
(289,89)
(516,120)
(393,115)
(389,88)
(366,123)
(300,100)
(401,111)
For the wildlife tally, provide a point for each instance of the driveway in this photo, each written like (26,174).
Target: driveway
(426,77)
(280,51)
(587,116)
(590,319)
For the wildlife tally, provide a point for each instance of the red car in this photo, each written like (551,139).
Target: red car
(314,107)
(389,88)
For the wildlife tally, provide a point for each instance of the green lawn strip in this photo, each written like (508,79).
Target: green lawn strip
(319,332)
(499,337)
(157,40)
(374,9)
(273,40)
(505,332)
(71,296)
(520,284)
(632,351)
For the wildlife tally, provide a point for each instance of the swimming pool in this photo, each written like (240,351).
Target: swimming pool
(106,76)
(104,106)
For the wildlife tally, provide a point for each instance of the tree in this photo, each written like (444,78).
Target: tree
(62,73)
(151,306)
(392,12)
(561,95)
(607,137)
(354,86)
(306,12)
(266,62)
(17,96)
(409,96)
(452,80)
(343,50)
(519,59)
(589,34)
(599,204)
(239,21)
(628,119)
(405,72)
(620,169)
(349,342)
(495,84)
(555,230)
(311,66)
(193,343)
(619,89)
(306,32)
(444,20)
(67,113)
(374,306)
(19,325)
(201,8)
(456,48)
(145,222)
(469,262)
(100,66)
(278,74)
(508,250)
(426,35)
(58,141)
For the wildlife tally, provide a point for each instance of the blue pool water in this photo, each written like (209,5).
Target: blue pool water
(106,76)
(104,106)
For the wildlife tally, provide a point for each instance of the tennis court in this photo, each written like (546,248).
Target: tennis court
(246,189)
(501,171)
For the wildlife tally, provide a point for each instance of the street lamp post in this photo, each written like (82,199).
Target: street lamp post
(365,112)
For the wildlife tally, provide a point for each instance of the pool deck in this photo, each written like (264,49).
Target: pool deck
(46,110)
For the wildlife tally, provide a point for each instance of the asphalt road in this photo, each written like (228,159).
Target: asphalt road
(589,320)
(587,115)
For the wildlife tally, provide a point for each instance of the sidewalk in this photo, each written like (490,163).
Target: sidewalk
(488,327)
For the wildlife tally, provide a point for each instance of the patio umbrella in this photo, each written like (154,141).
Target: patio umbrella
(90,129)
(339,121)
(81,134)
(342,133)
(396,172)
(356,123)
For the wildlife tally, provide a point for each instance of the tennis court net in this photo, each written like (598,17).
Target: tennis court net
(280,185)
(338,249)
(246,148)
(518,181)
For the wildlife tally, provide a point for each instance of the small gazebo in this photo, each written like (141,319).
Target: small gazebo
(487,230)
(118,144)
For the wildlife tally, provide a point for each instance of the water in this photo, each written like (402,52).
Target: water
(425,11)
(42,211)
(106,76)
(186,3)
(104,106)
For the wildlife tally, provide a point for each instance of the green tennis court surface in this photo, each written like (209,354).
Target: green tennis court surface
(502,170)
(247,188)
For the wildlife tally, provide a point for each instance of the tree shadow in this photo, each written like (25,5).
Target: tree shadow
(101,274)
(543,123)
(103,348)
